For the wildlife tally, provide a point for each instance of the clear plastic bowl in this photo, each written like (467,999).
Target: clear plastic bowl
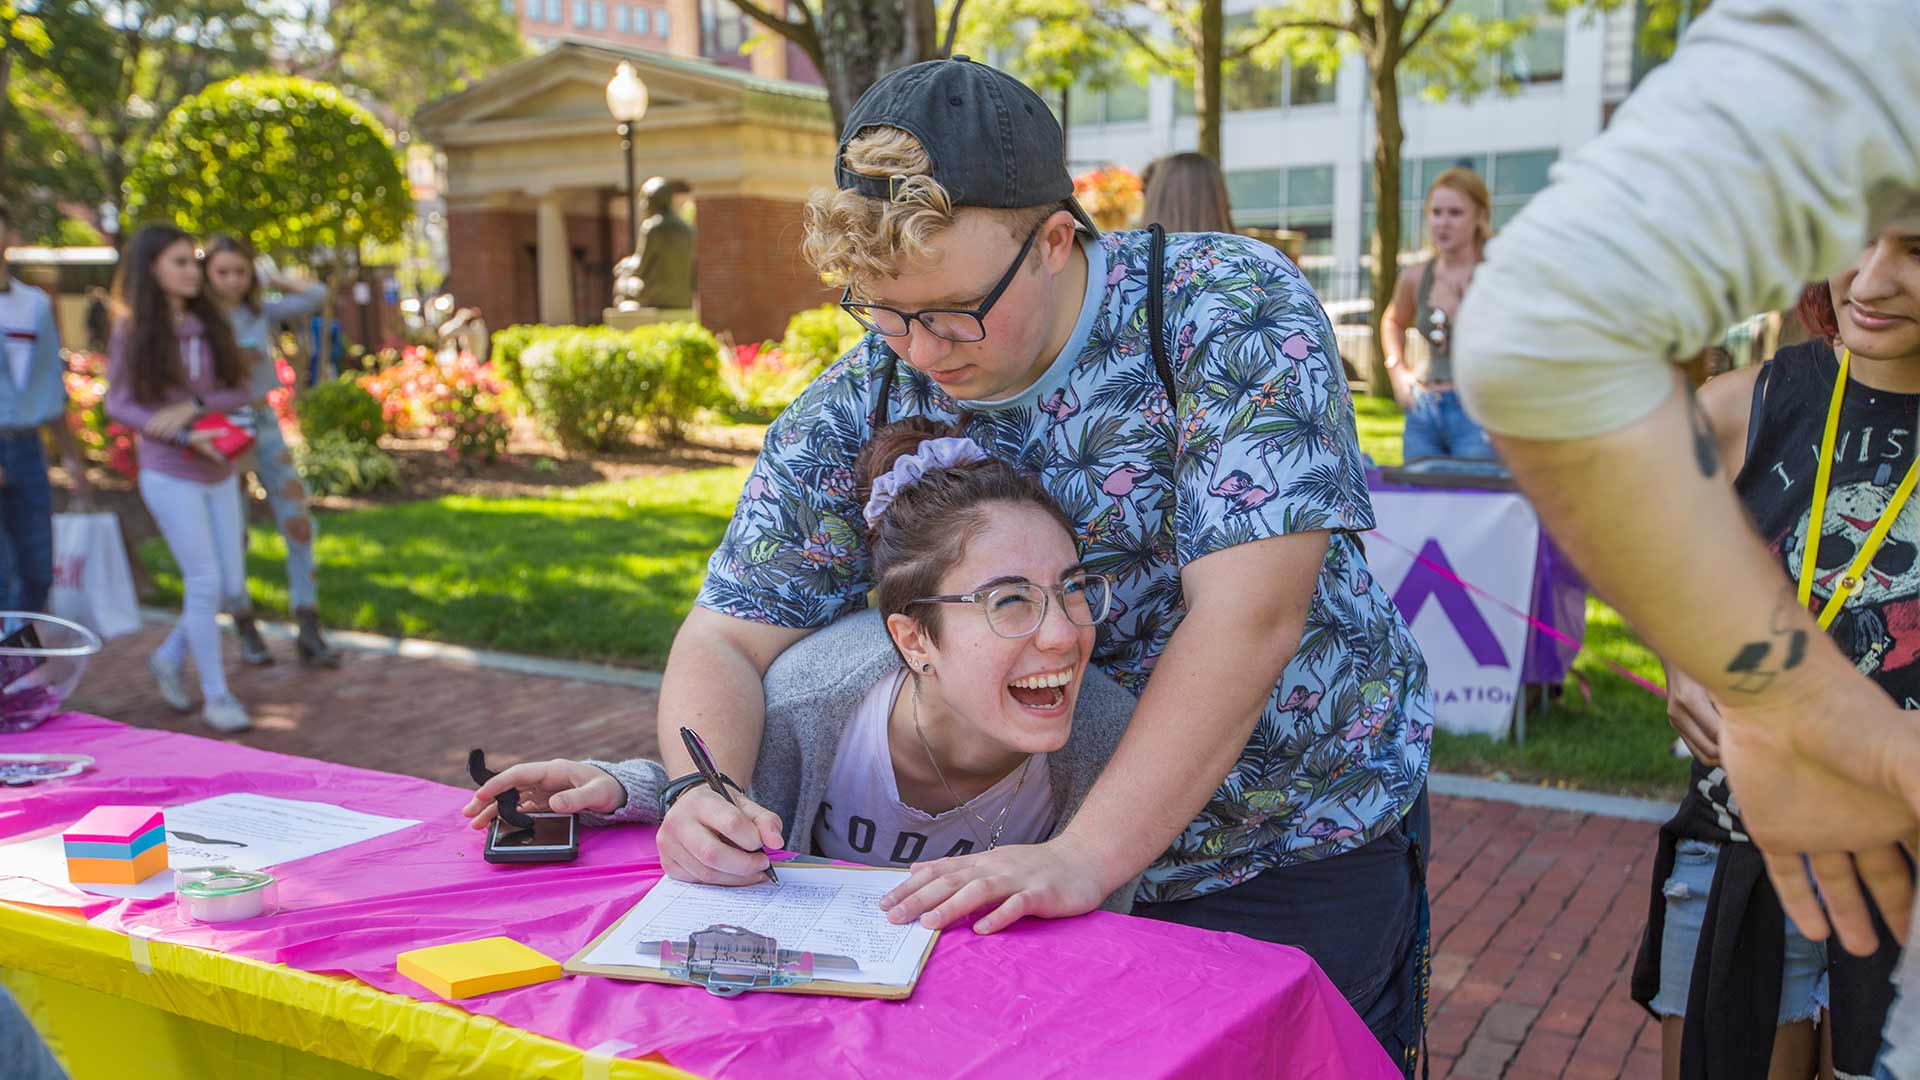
(36,679)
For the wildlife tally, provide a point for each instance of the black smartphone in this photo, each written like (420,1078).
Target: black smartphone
(14,666)
(551,838)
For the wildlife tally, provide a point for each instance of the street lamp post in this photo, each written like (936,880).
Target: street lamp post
(627,101)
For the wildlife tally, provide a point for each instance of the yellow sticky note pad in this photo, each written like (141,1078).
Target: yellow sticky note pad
(466,968)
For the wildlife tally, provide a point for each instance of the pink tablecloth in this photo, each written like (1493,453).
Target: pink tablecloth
(1098,995)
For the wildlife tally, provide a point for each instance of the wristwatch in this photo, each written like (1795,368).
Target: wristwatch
(679,785)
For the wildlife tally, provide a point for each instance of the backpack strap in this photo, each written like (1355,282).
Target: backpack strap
(878,418)
(1758,407)
(1156,309)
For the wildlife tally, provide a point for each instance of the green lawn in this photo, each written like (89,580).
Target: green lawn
(607,572)
(595,573)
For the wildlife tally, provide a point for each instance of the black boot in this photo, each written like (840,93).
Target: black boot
(253,648)
(314,650)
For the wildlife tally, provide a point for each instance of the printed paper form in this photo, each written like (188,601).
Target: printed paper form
(814,908)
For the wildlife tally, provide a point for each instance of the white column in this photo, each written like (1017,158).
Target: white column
(1353,153)
(555,260)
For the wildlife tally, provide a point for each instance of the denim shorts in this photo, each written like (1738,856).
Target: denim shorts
(1803,985)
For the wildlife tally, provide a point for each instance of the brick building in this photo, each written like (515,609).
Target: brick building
(535,185)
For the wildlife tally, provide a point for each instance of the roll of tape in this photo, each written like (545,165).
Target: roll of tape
(214,894)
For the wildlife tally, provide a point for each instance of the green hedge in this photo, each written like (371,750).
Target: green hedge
(592,387)
(509,342)
(341,406)
(818,336)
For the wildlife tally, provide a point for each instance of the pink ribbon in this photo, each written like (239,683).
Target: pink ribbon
(1544,628)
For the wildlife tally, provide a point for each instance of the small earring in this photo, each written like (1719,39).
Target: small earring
(926,668)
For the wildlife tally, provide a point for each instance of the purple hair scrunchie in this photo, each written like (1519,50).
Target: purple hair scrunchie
(933,454)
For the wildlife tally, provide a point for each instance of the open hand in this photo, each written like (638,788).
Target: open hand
(560,786)
(1049,881)
(706,839)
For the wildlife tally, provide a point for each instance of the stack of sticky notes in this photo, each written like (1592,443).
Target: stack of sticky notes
(116,845)
(466,968)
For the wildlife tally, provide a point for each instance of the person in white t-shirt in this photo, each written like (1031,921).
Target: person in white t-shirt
(970,719)
(33,395)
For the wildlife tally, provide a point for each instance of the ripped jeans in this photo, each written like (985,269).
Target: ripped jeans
(287,495)
(1803,989)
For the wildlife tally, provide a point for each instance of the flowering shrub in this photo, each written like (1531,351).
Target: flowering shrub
(469,412)
(103,441)
(762,380)
(405,386)
(280,398)
(459,400)
(1111,195)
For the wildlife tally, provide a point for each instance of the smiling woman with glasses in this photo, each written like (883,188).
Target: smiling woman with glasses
(1015,607)
(913,734)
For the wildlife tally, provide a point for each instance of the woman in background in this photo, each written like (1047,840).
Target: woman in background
(1186,193)
(171,360)
(235,285)
(1459,224)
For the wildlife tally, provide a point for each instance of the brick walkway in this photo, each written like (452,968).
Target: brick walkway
(1536,913)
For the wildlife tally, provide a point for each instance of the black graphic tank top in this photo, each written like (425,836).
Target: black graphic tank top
(1880,627)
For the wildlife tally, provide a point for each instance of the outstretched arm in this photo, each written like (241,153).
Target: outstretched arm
(1714,194)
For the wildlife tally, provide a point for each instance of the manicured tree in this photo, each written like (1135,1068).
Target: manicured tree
(292,165)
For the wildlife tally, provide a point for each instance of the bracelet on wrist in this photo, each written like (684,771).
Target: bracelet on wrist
(680,785)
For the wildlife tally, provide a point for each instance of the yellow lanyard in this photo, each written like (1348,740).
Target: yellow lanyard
(1816,522)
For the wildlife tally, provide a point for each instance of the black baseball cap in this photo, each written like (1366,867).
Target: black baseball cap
(990,139)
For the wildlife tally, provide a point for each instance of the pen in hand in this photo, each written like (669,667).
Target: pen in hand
(703,761)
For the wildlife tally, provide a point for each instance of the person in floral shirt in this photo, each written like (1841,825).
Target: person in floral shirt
(1274,777)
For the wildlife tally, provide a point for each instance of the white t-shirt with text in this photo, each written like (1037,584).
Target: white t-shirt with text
(862,819)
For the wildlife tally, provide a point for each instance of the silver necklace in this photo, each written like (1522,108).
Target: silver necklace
(1000,819)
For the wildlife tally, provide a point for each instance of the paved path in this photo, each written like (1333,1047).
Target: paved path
(1537,912)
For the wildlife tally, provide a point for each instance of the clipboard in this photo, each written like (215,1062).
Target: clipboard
(577,965)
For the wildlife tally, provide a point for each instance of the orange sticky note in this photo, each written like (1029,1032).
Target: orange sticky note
(466,968)
(118,871)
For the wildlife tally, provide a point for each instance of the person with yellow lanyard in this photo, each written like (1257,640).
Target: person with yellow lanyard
(1821,444)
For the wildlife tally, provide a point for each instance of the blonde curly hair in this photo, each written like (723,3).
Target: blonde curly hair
(855,239)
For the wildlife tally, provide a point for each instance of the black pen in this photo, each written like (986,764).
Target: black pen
(697,750)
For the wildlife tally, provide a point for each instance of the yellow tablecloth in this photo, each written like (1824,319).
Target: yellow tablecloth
(202,1015)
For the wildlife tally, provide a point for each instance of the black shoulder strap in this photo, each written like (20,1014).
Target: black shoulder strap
(1156,309)
(1758,407)
(878,418)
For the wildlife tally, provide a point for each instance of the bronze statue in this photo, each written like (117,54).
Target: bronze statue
(660,273)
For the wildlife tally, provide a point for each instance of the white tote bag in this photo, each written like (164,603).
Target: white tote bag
(92,583)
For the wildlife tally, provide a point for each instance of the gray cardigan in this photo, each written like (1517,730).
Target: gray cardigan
(812,691)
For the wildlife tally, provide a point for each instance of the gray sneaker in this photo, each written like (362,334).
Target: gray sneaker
(226,715)
(173,682)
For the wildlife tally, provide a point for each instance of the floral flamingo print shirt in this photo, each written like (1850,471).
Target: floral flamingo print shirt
(1260,443)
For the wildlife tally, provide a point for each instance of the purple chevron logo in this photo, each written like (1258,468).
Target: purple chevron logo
(1432,578)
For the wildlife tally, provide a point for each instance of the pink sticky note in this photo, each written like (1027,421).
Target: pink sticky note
(115,824)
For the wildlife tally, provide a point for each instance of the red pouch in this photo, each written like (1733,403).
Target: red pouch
(229,438)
